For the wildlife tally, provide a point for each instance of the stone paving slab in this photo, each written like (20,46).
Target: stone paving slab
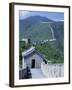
(36,73)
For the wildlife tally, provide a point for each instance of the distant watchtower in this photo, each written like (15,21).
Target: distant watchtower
(25,40)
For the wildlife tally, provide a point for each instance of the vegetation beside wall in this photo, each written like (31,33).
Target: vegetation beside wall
(53,54)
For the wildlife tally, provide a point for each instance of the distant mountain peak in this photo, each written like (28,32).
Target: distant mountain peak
(37,18)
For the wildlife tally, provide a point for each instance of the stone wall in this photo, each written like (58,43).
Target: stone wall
(52,70)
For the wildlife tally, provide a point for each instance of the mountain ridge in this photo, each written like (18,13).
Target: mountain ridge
(32,28)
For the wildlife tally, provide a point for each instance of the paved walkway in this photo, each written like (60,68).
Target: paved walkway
(36,73)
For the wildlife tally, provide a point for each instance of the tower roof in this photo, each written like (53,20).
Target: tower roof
(31,51)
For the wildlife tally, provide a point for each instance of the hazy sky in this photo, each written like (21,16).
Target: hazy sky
(57,16)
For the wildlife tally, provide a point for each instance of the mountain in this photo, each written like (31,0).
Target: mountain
(32,20)
(28,25)
(39,29)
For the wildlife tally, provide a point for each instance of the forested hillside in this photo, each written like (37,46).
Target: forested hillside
(41,31)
